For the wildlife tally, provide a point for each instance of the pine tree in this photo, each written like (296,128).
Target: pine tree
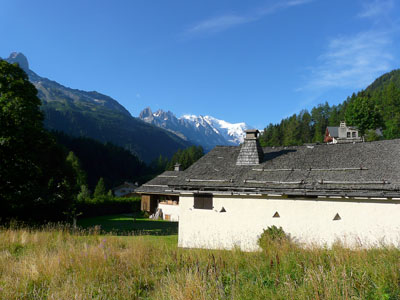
(100,189)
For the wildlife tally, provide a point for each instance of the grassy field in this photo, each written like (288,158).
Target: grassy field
(58,263)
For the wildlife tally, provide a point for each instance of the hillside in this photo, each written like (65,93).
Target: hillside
(94,115)
(117,164)
(378,106)
(381,82)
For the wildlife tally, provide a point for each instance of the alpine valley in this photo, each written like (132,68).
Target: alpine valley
(100,117)
(97,116)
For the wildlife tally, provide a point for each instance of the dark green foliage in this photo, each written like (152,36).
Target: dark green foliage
(111,162)
(76,165)
(378,106)
(84,194)
(100,189)
(185,157)
(371,135)
(160,164)
(80,118)
(106,205)
(36,181)
(363,113)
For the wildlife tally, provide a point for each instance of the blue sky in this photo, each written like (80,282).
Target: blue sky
(252,61)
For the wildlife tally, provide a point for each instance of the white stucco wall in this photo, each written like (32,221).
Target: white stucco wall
(169,209)
(363,222)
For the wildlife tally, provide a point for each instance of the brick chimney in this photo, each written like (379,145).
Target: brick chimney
(251,152)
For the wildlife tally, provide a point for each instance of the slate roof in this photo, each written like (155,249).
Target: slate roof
(333,131)
(358,170)
(159,184)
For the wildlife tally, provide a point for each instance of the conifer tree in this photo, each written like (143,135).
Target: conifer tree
(100,189)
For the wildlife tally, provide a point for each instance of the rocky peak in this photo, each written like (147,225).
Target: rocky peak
(165,115)
(18,57)
(146,115)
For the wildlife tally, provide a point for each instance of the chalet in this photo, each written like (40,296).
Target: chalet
(342,134)
(319,194)
(156,196)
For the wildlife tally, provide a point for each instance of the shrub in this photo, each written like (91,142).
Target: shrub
(106,205)
(272,235)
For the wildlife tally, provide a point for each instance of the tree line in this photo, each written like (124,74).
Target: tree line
(378,106)
(185,158)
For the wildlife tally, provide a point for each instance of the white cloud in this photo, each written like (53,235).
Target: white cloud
(354,61)
(219,23)
(227,21)
(376,8)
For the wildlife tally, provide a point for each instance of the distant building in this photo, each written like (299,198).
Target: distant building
(342,134)
(157,199)
(125,189)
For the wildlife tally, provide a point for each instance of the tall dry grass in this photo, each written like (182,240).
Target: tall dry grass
(54,263)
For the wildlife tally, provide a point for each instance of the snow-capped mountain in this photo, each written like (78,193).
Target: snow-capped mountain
(233,133)
(206,131)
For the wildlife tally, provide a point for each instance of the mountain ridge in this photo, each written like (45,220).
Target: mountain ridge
(98,116)
(206,131)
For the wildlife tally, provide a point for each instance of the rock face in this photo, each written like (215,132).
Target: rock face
(146,115)
(18,57)
(202,130)
(98,116)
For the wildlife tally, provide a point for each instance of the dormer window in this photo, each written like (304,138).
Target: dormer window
(348,135)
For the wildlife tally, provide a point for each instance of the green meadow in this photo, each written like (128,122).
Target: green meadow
(117,257)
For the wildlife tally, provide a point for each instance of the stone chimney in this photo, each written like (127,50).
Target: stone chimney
(177,167)
(251,152)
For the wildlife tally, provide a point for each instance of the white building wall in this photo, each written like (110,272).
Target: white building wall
(169,209)
(363,222)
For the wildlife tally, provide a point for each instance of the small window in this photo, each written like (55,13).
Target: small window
(203,201)
(348,134)
(353,134)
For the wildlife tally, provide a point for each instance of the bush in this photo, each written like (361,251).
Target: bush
(272,235)
(371,136)
(108,205)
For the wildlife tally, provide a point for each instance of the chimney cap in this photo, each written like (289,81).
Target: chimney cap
(252,133)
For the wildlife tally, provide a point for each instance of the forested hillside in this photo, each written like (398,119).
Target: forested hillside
(378,106)
(185,158)
(112,163)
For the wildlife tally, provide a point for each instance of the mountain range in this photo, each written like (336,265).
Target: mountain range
(94,115)
(98,116)
(206,131)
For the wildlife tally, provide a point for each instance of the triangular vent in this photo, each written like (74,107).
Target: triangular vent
(337,217)
(222,209)
(276,215)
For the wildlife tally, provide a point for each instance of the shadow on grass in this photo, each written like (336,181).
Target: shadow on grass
(128,225)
